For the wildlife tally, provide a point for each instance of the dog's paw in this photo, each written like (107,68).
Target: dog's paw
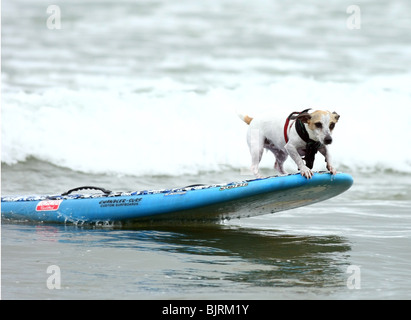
(306,172)
(332,170)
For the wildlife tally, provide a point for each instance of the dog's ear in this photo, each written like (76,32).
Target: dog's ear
(304,117)
(336,116)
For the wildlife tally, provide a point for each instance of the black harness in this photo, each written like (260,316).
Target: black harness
(311,147)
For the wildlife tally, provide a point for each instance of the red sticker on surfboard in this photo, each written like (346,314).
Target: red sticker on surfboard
(48,205)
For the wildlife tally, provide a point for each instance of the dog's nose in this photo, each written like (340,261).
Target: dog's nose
(328,140)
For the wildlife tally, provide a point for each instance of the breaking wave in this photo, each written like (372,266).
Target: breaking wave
(170,130)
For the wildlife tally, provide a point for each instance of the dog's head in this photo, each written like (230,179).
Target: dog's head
(320,124)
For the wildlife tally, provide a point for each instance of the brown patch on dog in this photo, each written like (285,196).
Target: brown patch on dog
(334,119)
(247,119)
(317,116)
(336,116)
(304,117)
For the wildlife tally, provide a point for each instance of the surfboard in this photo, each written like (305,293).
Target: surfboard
(214,202)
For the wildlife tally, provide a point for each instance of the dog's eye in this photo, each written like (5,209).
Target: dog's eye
(332,125)
(319,125)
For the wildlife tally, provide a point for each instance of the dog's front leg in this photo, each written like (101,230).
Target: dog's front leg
(324,151)
(293,152)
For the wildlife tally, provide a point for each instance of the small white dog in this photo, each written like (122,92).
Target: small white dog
(301,134)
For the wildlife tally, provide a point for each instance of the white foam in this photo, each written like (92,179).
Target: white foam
(169,130)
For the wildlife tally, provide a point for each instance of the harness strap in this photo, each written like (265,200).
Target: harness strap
(292,116)
(311,145)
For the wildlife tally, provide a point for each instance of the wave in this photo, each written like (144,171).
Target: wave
(170,130)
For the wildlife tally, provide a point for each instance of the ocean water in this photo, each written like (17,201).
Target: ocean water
(131,95)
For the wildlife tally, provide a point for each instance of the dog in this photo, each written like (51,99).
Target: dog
(302,134)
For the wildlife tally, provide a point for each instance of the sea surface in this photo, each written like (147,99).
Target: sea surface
(130,95)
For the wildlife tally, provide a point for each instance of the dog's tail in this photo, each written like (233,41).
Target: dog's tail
(245,118)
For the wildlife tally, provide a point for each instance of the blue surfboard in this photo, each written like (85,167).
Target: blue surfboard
(192,203)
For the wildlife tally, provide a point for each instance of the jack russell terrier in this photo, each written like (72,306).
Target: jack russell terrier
(304,136)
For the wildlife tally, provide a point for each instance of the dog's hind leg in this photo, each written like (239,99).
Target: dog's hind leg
(256,144)
(255,162)
(279,167)
(280,157)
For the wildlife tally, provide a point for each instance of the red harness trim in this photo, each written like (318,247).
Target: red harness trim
(286,129)
(287,122)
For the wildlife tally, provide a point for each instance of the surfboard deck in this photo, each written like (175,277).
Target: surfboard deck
(240,199)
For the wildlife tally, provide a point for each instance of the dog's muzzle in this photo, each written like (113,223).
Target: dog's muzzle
(328,140)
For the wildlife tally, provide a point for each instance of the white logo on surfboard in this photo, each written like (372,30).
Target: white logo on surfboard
(48,205)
